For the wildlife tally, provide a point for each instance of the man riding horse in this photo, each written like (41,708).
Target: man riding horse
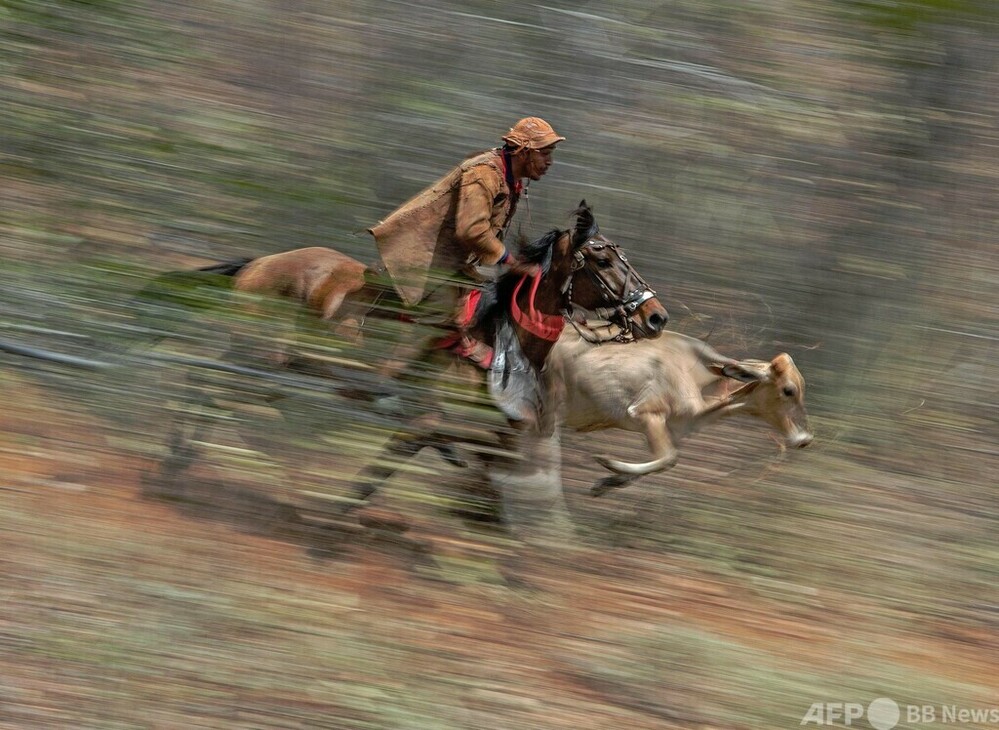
(440,244)
(437,249)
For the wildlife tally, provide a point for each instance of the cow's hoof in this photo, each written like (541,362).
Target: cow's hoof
(608,483)
(604,461)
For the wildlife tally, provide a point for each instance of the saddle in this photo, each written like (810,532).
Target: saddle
(511,379)
(463,344)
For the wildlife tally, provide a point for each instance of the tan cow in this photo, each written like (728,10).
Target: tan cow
(666,389)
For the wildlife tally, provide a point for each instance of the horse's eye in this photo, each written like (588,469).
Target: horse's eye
(789,391)
(604,263)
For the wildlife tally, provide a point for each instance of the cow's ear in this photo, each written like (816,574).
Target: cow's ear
(782,363)
(739,371)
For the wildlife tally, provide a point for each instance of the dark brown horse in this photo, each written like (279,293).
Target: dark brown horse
(521,317)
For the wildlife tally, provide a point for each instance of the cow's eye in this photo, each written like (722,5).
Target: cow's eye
(789,391)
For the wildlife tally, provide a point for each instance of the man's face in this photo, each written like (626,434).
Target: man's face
(538,162)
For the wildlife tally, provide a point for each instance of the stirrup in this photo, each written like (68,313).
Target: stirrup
(475,351)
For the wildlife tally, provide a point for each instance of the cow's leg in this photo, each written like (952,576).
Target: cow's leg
(664,456)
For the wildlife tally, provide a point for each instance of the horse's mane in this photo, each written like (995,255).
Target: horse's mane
(495,294)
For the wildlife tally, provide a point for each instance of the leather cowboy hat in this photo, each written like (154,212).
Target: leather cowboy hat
(532,133)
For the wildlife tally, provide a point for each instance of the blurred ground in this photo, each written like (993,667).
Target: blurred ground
(126,611)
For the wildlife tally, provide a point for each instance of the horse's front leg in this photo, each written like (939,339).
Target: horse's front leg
(401,447)
(422,399)
(191,426)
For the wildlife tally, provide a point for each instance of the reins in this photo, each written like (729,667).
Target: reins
(546,326)
(634,292)
(589,334)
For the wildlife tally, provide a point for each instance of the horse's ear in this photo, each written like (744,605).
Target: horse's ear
(585,223)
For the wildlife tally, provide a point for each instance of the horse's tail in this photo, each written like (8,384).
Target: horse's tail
(176,286)
(171,297)
(227,268)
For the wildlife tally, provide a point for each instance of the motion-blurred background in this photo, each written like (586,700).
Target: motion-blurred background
(801,176)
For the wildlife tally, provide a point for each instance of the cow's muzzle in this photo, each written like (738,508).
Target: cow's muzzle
(800,439)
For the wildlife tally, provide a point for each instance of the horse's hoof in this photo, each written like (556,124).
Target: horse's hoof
(450,454)
(513,581)
(381,519)
(161,486)
(391,405)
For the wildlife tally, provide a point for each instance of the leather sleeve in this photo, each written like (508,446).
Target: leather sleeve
(474,224)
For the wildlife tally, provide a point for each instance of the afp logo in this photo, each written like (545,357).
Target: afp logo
(882,713)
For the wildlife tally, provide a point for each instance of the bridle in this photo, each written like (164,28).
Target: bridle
(633,292)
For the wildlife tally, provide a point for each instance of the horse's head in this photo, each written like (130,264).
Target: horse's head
(603,281)
(579,268)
